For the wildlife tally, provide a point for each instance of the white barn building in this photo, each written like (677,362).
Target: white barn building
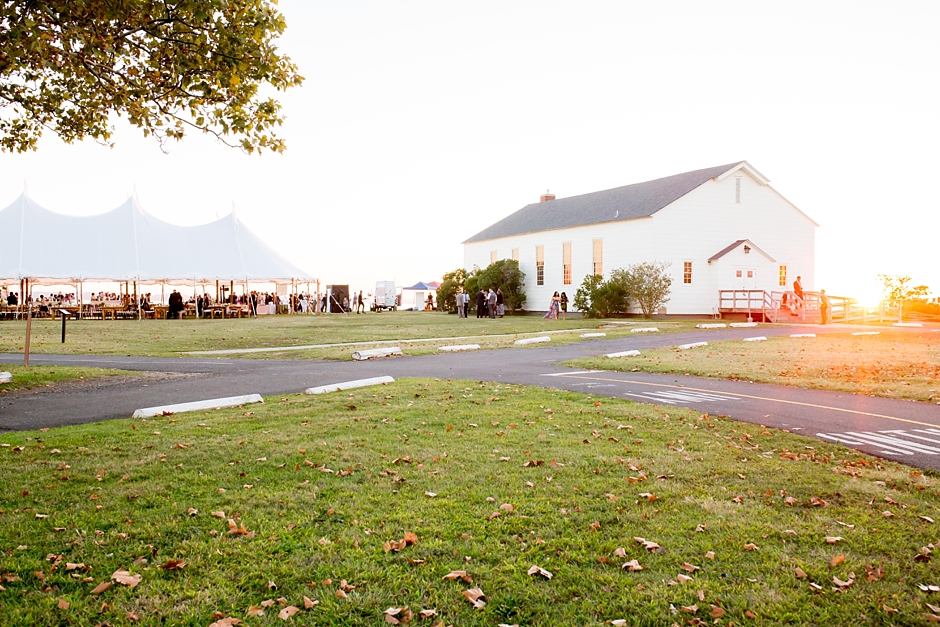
(721,228)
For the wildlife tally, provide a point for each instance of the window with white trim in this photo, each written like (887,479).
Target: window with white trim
(783,276)
(492,256)
(515,254)
(599,257)
(540,265)
(737,189)
(687,273)
(566,262)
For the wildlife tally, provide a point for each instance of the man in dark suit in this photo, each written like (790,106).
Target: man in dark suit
(175,305)
(481,303)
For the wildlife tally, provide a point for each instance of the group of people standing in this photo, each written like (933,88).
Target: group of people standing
(490,304)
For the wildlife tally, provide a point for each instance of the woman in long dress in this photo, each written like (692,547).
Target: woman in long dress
(553,308)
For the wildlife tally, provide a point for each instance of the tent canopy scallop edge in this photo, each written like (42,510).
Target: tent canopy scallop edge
(129,244)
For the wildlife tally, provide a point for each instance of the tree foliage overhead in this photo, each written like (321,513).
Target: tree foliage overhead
(168,66)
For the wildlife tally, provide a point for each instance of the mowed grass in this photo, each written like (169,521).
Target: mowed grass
(225,513)
(169,338)
(893,364)
(48,376)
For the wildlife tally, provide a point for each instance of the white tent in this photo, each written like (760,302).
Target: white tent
(129,244)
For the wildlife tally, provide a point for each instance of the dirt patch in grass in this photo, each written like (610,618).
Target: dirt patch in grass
(35,378)
(367,500)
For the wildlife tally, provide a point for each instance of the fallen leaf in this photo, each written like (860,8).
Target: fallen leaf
(101,587)
(833,539)
(874,574)
(341,594)
(218,514)
(174,565)
(838,559)
(844,584)
(63,604)
(125,578)
(428,613)
(475,596)
(538,570)
(710,555)
(800,573)
(620,552)
(254,610)
(717,612)
(889,610)
(287,612)
(192,511)
(750,546)
(683,578)
(690,568)
(310,603)
(430,495)
(750,614)
(632,565)
(459,574)
(226,622)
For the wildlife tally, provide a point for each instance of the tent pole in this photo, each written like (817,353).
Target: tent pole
(29,324)
(136,299)
(81,299)
(194,294)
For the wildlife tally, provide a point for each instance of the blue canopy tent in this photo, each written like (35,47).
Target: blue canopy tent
(420,291)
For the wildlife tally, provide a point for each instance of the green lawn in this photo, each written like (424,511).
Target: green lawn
(171,337)
(893,364)
(491,480)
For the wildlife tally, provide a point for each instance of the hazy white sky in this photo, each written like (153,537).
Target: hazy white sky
(422,122)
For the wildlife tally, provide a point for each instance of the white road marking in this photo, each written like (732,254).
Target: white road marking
(891,441)
(565,374)
(681,396)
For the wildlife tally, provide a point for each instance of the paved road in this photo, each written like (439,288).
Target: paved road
(901,430)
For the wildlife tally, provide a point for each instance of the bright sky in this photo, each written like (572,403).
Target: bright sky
(422,122)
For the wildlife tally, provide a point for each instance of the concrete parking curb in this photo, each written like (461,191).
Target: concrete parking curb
(212,403)
(349,385)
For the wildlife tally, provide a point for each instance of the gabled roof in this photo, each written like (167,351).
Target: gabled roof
(727,249)
(639,200)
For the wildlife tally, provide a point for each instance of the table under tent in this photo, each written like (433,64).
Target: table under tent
(133,248)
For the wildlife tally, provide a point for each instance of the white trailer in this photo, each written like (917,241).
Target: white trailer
(384,298)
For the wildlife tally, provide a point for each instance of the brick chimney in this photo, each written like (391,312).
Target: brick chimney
(546,196)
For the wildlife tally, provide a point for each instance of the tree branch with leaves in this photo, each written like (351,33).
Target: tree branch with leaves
(168,67)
